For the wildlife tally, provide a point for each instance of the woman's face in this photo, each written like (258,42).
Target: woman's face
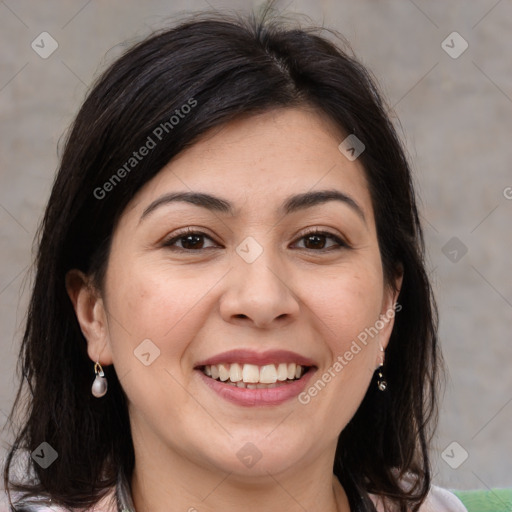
(248,295)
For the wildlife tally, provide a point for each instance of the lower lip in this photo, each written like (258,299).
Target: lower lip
(258,397)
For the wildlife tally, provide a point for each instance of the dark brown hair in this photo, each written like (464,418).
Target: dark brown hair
(229,66)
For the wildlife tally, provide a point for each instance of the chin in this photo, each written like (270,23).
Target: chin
(256,455)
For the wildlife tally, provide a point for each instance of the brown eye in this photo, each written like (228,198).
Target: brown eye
(317,240)
(192,241)
(188,241)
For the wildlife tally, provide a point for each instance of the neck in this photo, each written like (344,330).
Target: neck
(178,484)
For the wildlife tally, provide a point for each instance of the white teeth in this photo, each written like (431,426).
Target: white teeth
(282,372)
(223,372)
(235,373)
(251,373)
(268,374)
(253,376)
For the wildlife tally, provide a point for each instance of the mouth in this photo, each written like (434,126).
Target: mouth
(248,378)
(252,376)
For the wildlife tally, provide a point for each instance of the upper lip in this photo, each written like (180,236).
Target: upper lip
(245,356)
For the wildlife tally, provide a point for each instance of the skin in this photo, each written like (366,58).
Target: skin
(194,305)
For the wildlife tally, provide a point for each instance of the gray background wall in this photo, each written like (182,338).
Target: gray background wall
(456,116)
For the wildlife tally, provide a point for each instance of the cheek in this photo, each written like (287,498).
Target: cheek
(148,302)
(154,314)
(346,303)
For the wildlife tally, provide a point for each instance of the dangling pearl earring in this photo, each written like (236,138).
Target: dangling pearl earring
(100,384)
(381,382)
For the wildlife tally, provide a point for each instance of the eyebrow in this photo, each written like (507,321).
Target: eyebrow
(292,204)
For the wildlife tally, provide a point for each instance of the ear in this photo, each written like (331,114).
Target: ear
(91,315)
(387,315)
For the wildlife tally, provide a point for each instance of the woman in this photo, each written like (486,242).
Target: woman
(230,307)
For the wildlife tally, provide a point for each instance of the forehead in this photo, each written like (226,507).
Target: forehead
(258,161)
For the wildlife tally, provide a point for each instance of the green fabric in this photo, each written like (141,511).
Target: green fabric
(494,500)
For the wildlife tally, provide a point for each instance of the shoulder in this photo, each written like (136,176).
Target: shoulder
(41,504)
(35,504)
(438,500)
(442,500)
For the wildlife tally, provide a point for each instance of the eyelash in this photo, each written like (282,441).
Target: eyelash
(190,231)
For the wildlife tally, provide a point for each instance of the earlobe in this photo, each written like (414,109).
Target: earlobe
(390,307)
(91,315)
(393,291)
(398,283)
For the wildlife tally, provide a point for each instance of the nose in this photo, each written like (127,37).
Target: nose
(259,294)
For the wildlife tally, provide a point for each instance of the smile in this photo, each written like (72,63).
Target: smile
(251,376)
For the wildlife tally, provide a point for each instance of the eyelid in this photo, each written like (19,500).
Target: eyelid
(189,230)
(338,239)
